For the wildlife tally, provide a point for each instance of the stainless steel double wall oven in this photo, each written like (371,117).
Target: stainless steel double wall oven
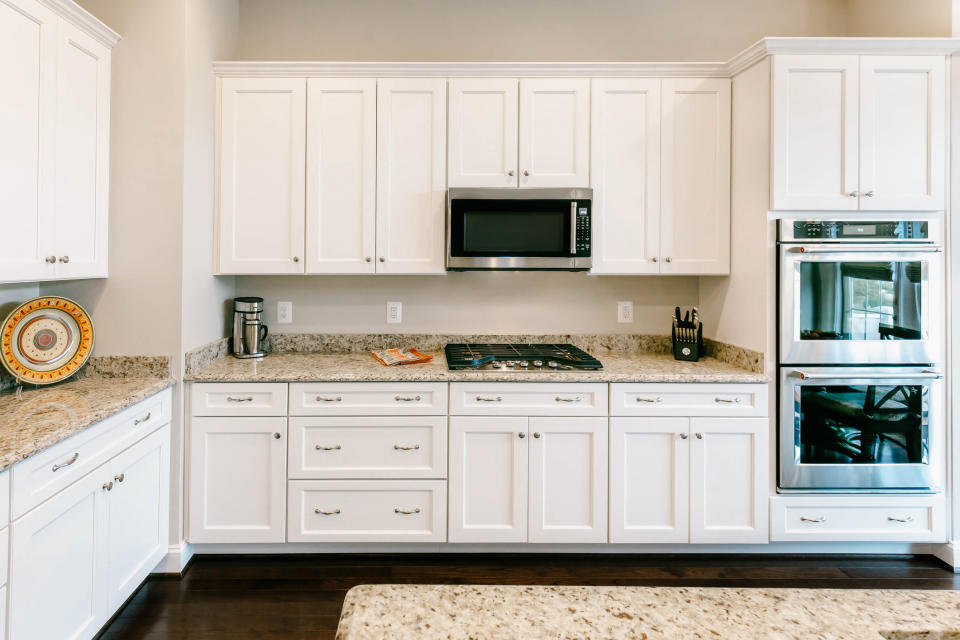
(860,332)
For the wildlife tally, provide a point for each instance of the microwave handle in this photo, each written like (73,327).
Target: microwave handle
(573,228)
(864,248)
(930,375)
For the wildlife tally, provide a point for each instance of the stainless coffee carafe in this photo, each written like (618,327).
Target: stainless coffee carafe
(249,331)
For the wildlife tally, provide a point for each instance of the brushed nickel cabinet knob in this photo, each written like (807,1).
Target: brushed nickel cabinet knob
(65,259)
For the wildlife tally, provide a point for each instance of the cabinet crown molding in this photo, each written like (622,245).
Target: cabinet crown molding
(743,60)
(83,20)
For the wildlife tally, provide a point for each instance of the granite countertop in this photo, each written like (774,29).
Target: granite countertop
(361,367)
(424,612)
(44,416)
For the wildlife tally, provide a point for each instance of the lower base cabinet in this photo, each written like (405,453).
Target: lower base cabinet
(858,518)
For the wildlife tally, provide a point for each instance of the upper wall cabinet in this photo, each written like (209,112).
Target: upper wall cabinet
(262,165)
(55,128)
(859,132)
(661,176)
(526,133)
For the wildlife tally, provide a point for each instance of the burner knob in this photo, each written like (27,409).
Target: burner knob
(511,363)
(538,363)
(497,365)
(524,364)
(552,364)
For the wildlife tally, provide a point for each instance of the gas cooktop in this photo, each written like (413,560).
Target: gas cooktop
(519,357)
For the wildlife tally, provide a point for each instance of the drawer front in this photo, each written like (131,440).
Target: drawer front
(867,519)
(528,399)
(688,399)
(367,511)
(368,399)
(43,475)
(239,399)
(368,447)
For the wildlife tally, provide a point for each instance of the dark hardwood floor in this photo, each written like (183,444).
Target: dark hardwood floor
(292,597)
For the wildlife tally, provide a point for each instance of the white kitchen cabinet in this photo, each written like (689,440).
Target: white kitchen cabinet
(411,175)
(554,141)
(488,479)
(649,479)
(858,518)
(262,168)
(568,480)
(238,479)
(484,116)
(902,132)
(55,127)
(695,176)
(729,480)
(341,197)
(625,175)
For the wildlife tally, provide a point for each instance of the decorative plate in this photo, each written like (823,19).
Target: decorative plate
(46,340)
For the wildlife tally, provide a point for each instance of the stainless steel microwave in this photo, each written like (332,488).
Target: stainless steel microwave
(518,229)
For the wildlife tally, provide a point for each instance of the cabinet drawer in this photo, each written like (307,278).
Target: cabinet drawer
(367,511)
(864,519)
(368,399)
(528,399)
(239,399)
(368,447)
(688,399)
(41,476)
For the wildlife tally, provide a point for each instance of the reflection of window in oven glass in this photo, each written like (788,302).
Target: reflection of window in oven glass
(871,304)
(863,424)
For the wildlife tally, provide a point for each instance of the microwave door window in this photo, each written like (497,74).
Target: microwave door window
(860,300)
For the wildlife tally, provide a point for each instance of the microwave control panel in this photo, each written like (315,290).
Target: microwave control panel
(583,232)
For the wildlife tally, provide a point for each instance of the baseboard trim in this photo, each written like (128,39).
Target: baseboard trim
(177,558)
(948,553)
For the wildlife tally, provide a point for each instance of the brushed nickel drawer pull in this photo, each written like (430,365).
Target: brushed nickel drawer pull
(119,477)
(559,399)
(486,399)
(320,511)
(657,399)
(904,520)
(143,419)
(727,400)
(406,513)
(407,398)
(107,486)
(335,447)
(335,399)
(232,399)
(399,448)
(61,465)
(814,520)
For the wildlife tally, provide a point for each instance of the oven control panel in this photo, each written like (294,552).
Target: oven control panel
(854,230)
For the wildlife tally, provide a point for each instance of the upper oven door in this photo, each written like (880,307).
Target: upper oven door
(860,304)
(518,229)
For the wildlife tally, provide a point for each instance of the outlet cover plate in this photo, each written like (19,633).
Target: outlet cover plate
(284,312)
(625,311)
(394,312)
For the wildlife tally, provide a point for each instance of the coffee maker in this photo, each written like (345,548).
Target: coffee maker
(249,332)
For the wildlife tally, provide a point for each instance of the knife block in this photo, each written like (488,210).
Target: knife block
(689,350)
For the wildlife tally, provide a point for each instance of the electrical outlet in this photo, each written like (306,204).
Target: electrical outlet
(394,312)
(284,312)
(625,311)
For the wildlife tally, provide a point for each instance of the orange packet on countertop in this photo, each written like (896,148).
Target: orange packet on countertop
(390,357)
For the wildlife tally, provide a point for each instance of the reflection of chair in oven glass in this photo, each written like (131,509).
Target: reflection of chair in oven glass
(851,425)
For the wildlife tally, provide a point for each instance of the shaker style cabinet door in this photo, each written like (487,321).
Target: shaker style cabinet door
(649,479)
(695,177)
(488,479)
(555,132)
(262,164)
(902,133)
(568,480)
(411,175)
(815,132)
(28,74)
(341,175)
(238,479)
(483,132)
(625,176)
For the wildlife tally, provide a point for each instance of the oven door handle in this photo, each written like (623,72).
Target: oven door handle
(573,228)
(922,375)
(864,248)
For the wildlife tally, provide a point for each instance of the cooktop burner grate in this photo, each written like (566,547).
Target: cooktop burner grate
(511,357)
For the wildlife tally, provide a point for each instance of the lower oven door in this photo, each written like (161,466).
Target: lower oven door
(864,428)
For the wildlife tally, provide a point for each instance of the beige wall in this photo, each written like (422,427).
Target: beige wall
(894,18)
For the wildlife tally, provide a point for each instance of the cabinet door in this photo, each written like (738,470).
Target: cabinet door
(341,175)
(58,563)
(411,171)
(82,180)
(568,480)
(625,175)
(902,132)
(483,133)
(729,480)
(815,137)
(138,513)
(238,475)
(695,177)
(262,164)
(28,62)
(649,479)
(488,479)
(555,132)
